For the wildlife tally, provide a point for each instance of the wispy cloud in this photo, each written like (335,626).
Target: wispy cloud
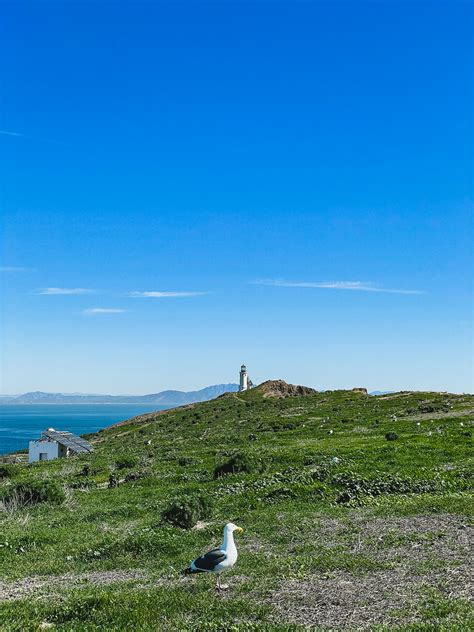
(354,286)
(8,269)
(4,132)
(92,311)
(56,291)
(164,294)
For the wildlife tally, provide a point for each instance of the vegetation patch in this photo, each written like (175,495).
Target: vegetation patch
(7,471)
(34,492)
(126,461)
(239,462)
(187,511)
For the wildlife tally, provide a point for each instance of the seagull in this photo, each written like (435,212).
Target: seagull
(217,560)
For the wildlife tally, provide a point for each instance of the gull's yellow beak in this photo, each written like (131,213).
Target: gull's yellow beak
(240,530)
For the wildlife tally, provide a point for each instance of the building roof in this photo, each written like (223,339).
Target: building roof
(68,440)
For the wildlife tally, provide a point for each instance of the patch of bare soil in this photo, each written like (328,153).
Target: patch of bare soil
(48,584)
(440,415)
(399,395)
(419,553)
(345,601)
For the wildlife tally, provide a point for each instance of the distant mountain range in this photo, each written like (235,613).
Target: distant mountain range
(380,392)
(164,398)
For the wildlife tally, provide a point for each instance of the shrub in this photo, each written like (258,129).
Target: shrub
(34,492)
(239,462)
(83,483)
(186,460)
(169,456)
(185,511)
(354,486)
(6,471)
(133,476)
(281,493)
(426,408)
(391,436)
(320,473)
(126,461)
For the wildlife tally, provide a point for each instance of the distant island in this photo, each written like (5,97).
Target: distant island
(164,398)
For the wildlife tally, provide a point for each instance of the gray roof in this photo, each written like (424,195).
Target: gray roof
(68,440)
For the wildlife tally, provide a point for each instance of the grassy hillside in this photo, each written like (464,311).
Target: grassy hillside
(355,510)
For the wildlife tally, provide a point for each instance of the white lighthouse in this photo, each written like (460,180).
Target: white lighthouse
(244,378)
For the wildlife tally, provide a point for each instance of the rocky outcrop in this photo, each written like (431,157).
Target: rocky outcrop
(359,389)
(280,388)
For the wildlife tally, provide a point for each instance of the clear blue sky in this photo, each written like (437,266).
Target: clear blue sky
(275,162)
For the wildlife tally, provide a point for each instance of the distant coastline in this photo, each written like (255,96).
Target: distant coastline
(162,398)
(19,424)
(23,417)
(127,403)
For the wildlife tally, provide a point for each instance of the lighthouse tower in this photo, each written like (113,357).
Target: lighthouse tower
(244,378)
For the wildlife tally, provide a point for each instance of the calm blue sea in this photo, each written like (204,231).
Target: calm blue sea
(21,423)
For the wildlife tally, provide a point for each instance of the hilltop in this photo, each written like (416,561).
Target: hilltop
(279,388)
(355,509)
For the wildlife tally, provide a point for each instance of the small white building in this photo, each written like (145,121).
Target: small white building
(54,444)
(245,382)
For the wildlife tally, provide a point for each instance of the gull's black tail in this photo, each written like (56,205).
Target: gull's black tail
(191,571)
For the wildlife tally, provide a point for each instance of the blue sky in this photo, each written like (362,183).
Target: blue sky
(187,186)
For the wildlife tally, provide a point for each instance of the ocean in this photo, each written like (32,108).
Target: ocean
(21,423)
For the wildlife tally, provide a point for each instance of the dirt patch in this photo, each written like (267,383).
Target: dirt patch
(395,395)
(344,601)
(439,415)
(200,525)
(419,539)
(418,553)
(47,584)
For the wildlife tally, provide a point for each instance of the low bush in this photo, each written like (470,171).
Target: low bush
(186,511)
(134,476)
(126,461)
(83,483)
(186,460)
(169,456)
(281,493)
(239,462)
(391,436)
(34,492)
(6,471)
(355,486)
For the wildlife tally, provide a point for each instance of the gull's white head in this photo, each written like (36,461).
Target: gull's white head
(231,527)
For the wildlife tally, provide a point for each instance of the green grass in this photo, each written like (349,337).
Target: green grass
(319,473)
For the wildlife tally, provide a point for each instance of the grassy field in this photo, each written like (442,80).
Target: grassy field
(355,509)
